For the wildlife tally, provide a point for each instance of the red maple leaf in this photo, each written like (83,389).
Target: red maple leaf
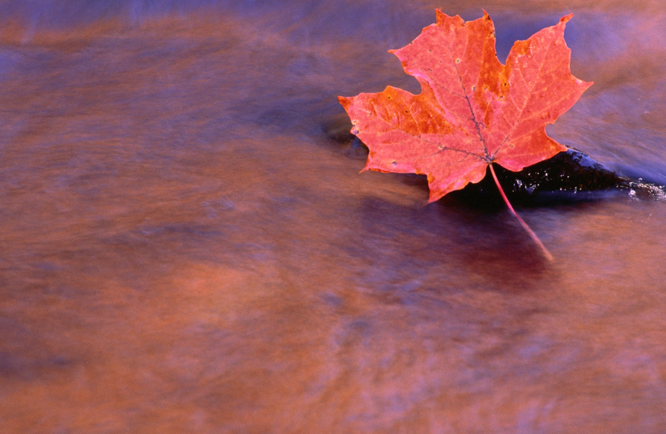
(472,111)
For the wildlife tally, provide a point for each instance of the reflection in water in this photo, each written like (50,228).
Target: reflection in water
(186,250)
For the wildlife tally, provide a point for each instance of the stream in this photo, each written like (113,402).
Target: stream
(187,245)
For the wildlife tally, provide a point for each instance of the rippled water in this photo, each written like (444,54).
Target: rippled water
(187,247)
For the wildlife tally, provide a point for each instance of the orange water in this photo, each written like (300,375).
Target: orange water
(186,250)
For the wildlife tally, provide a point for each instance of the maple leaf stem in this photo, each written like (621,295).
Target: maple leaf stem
(536,239)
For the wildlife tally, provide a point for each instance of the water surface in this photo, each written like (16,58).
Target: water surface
(188,247)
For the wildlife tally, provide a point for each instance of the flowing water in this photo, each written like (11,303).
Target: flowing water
(187,245)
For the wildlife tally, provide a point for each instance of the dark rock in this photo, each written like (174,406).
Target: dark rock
(567,177)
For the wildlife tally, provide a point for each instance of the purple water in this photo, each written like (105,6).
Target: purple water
(186,249)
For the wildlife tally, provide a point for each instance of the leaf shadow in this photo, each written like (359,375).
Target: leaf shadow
(453,245)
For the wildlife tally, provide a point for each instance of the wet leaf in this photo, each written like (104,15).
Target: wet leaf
(472,111)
